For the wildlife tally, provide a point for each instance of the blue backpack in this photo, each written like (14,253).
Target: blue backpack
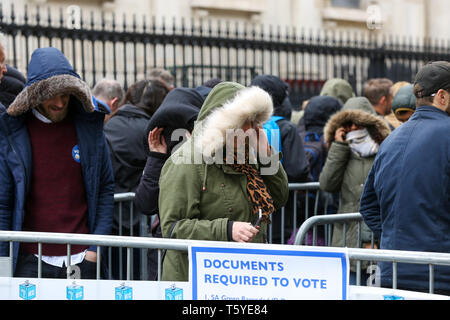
(273,132)
(315,152)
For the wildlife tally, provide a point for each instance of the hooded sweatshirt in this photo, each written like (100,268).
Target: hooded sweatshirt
(318,111)
(178,111)
(198,200)
(338,88)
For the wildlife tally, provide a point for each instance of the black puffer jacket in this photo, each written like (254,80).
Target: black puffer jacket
(11,85)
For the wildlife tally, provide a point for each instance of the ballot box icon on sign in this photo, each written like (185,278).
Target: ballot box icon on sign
(124,292)
(27,290)
(174,293)
(75,292)
(393,297)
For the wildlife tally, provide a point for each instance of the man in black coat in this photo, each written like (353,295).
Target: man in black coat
(125,132)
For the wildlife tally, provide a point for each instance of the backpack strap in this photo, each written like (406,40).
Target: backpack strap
(271,125)
(276,118)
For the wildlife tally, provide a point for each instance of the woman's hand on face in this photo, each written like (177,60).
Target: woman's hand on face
(156,141)
(339,135)
(263,142)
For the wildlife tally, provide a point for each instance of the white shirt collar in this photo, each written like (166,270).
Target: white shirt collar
(38,115)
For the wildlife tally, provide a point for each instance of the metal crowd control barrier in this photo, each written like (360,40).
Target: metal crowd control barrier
(343,218)
(315,221)
(307,187)
(414,257)
(120,198)
(144,221)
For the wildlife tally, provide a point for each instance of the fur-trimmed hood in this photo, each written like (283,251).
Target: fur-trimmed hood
(50,74)
(377,127)
(229,106)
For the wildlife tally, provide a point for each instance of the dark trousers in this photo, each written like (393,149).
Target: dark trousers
(27,267)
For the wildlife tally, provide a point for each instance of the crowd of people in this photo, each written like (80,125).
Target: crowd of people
(215,162)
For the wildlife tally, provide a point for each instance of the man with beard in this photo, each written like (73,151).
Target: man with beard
(406,198)
(55,170)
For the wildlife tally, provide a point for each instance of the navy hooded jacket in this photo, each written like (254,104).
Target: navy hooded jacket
(49,74)
(406,198)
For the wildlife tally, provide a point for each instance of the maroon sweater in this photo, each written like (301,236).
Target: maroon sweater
(57,198)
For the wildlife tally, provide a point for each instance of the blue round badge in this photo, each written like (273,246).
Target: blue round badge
(76,153)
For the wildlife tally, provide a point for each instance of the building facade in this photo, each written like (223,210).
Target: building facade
(305,42)
(403,18)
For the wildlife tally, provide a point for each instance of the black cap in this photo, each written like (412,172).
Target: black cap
(431,78)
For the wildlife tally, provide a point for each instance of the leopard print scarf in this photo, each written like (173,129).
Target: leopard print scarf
(257,190)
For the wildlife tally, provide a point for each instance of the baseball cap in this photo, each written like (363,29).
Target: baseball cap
(431,78)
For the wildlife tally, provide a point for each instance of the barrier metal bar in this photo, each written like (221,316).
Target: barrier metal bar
(395,256)
(120,234)
(433,258)
(355,217)
(39,260)
(307,187)
(99,259)
(69,263)
(328,220)
(119,199)
(325,219)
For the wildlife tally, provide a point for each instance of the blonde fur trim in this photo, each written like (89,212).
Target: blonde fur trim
(249,105)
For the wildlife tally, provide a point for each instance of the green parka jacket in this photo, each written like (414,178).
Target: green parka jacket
(345,172)
(199,197)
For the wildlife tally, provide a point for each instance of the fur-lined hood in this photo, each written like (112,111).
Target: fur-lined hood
(229,106)
(50,74)
(377,127)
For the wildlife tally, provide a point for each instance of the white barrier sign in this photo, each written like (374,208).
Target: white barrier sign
(275,273)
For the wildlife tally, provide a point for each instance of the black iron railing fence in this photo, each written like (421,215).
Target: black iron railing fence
(103,45)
